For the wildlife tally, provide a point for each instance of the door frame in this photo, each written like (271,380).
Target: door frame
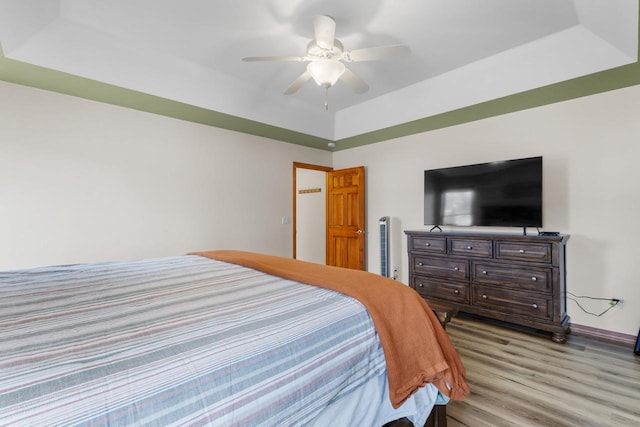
(300,165)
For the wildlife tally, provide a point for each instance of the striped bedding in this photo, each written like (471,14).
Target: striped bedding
(176,341)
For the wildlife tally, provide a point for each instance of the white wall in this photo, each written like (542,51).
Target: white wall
(83,181)
(591,154)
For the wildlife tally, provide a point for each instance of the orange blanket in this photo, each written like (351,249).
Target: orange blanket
(417,349)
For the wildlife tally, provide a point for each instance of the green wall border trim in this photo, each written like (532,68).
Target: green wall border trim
(25,74)
(57,81)
(615,78)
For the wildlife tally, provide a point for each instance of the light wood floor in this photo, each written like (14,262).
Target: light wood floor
(521,379)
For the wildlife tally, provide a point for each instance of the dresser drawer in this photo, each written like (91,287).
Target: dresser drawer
(431,288)
(471,247)
(513,302)
(428,244)
(441,267)
(516,251)
(535,278)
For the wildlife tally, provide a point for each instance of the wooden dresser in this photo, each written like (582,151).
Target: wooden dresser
(513,278)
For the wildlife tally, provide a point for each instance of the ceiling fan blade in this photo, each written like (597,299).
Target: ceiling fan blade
(324,28)
(297,83)
(353,81)
(377,53)
(274,58)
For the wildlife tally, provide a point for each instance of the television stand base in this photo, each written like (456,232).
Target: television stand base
(434,227)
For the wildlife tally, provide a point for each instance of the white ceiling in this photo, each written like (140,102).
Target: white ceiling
(463,51)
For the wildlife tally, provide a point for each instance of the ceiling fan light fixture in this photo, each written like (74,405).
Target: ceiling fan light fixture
(325,72)
(325,54)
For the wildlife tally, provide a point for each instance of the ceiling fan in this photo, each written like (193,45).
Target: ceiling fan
(325,55)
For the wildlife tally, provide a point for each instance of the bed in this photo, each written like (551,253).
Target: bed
(220,338)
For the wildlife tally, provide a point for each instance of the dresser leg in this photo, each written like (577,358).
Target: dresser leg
(559,337)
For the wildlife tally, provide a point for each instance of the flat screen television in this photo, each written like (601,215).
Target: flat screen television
(497,194)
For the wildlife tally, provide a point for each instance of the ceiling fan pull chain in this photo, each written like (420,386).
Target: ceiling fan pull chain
(326,98)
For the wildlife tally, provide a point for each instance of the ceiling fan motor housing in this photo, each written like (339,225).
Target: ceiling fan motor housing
(317,52)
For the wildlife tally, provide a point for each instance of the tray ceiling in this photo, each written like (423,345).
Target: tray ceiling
(463,52)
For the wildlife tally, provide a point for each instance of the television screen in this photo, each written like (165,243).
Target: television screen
(498,194)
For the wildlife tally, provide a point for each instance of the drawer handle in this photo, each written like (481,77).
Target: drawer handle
(469,247)
(427,244)
(484,271)
(521,251)
(420,264)
(421,285)
(455,291)
(485,297)
(534,278)
(456,268)
(535,306)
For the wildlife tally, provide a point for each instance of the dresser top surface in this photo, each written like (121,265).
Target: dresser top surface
(561,238)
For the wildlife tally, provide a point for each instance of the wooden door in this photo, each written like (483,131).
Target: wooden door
(345,218)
